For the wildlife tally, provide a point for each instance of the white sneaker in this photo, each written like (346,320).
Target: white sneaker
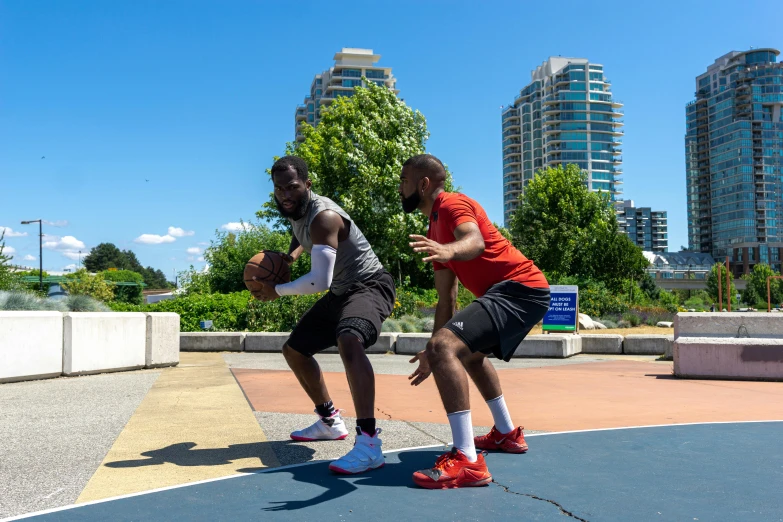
(365,455)
(325,428)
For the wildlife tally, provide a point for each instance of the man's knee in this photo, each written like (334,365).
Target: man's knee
(290,354)
(442,347)
(350,347)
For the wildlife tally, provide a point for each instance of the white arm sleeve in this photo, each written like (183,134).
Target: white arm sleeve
(318,279)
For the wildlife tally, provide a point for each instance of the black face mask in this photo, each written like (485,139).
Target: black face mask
(298,212)
(411,203)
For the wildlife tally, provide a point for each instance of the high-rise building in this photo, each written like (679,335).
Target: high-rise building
(350,65)
(565,115)
(647,228)
(734,160)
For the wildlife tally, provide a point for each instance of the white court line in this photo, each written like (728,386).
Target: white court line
(238,475)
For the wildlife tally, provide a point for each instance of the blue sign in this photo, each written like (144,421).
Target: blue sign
(205,325)
(563,309)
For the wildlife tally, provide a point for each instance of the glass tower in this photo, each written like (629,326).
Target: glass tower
(734,160)
(565,115)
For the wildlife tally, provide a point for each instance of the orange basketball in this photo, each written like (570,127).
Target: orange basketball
(266,266)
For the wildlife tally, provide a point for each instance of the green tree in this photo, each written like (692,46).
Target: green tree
(750,295)
(568,230)
(126,293)
(355,157)
(757,279)
(105,256)
(719,270)
(8,278)
(84,283)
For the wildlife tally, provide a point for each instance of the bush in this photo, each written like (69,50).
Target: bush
(125,293)
(84,303)
(609,323)
(30,301)
(632,319)
(409,324)
(84,283)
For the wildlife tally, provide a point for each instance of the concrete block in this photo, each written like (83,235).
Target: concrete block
(211,341)
(758,325)
(162,345)
(267,342)
(95,342)
(728,358)
(411,343)
(596,343)
(636,344)
(31,345)
(552,345)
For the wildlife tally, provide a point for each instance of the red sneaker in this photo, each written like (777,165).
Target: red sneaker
(513,442)
(454,470)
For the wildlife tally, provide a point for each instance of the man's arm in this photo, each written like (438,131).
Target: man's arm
(446,285)
(324,231)
(295,249)
(468,244)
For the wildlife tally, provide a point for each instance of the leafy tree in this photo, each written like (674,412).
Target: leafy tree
(126,293)
(8,279)
(567,230)
(719,270)
(229,252)
(757,285)
(105,256)
(355,157)
(84,283)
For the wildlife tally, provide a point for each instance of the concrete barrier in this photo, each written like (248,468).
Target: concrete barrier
(553,345)
(638,344)
(728,358)
(31,345)
(758,325)
(162,339)
(596,343)
(411,343)
(95,342)
(212,341)
(265,342)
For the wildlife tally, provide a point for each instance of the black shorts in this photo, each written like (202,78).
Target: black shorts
(360,310)
(498,321)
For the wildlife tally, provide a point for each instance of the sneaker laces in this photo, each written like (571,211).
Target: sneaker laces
(446,460)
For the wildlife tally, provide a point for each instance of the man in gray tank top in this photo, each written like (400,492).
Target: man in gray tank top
(361,296)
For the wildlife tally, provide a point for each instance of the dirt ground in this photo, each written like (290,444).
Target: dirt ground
(644,330)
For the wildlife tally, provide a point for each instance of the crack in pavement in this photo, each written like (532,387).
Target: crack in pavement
(561,508)
(430,435)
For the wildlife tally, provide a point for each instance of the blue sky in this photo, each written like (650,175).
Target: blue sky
(163,115)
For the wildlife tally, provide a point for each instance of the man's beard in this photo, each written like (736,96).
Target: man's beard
(411,203)
(298,211)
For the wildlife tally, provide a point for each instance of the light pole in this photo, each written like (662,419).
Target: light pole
(80,259)
(40,250)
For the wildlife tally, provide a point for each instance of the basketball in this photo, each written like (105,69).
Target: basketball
(266,266)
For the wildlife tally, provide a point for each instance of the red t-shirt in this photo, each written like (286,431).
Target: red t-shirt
(500,261)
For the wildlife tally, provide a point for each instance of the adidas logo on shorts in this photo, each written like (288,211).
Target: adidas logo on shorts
(458,324)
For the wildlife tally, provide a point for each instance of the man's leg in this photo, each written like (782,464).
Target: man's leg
(443,353)
(484,375)
(361,380)
(308,373)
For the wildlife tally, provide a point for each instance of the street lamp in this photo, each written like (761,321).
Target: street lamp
(40,250)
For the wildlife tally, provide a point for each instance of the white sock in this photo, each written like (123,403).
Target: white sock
(500,415)
(462,431)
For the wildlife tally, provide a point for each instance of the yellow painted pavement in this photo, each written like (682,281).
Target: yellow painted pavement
(194,424)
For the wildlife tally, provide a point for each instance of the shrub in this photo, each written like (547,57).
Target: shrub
(632,319)
(125,293)
(623,324)
(608,323)
(84,283)
(85,303)
(390,325)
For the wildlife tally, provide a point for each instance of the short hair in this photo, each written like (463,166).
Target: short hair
(426,163)
(291,162)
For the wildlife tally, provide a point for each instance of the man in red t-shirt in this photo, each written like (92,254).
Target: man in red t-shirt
(512,296)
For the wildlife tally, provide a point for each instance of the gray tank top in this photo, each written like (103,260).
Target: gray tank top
(355,259)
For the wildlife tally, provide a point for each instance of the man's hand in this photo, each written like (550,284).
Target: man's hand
(423,371)
(436,251)
(267,292)
(287,258)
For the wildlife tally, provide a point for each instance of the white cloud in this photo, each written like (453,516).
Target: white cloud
(65,243)
(71,254)
(61,223)
(236,227)
(28,257)
(71,267)
(203,243)
(154,239)
(194,250)
(200,259)
(10,233)
(9,251)
(178,232)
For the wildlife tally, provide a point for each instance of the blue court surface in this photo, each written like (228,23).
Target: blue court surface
(731,471)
